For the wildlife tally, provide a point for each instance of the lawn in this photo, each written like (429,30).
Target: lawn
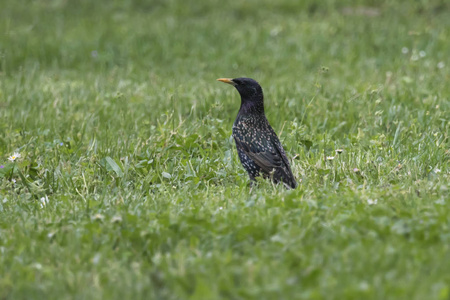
(128,184)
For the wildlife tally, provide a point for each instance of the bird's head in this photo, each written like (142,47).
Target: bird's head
(250,91)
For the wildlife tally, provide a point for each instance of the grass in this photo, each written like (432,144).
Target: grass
(118,119)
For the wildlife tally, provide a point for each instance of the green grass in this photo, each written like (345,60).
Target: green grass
(114,108)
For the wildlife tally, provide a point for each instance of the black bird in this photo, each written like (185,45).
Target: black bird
(258,146)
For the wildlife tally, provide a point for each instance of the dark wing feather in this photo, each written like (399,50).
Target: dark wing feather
(267,160)
(264,148)
(285,173)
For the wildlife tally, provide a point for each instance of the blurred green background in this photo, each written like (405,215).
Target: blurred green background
(114,108)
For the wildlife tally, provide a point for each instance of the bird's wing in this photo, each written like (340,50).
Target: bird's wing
(285,172)
(267,153)
(267,158)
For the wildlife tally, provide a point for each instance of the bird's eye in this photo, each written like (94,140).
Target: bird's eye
(237,81)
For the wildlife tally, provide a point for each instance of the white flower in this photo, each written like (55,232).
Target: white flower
(422,53)
(330,157)
(441,65)
(14,157)
(339,151)
(414,57)
(372,202)
(44,201)
(116,219)
(98,217)
(437,170)
(96,258)
(405,50)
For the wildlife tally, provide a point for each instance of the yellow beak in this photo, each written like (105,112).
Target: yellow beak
(227,80)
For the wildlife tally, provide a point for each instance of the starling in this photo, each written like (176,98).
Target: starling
(258,146)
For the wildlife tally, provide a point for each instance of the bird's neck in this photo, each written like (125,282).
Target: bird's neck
(252,106)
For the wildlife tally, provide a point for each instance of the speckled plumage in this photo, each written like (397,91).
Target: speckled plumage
(258,146)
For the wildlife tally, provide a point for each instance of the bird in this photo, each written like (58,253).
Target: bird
(257,144)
